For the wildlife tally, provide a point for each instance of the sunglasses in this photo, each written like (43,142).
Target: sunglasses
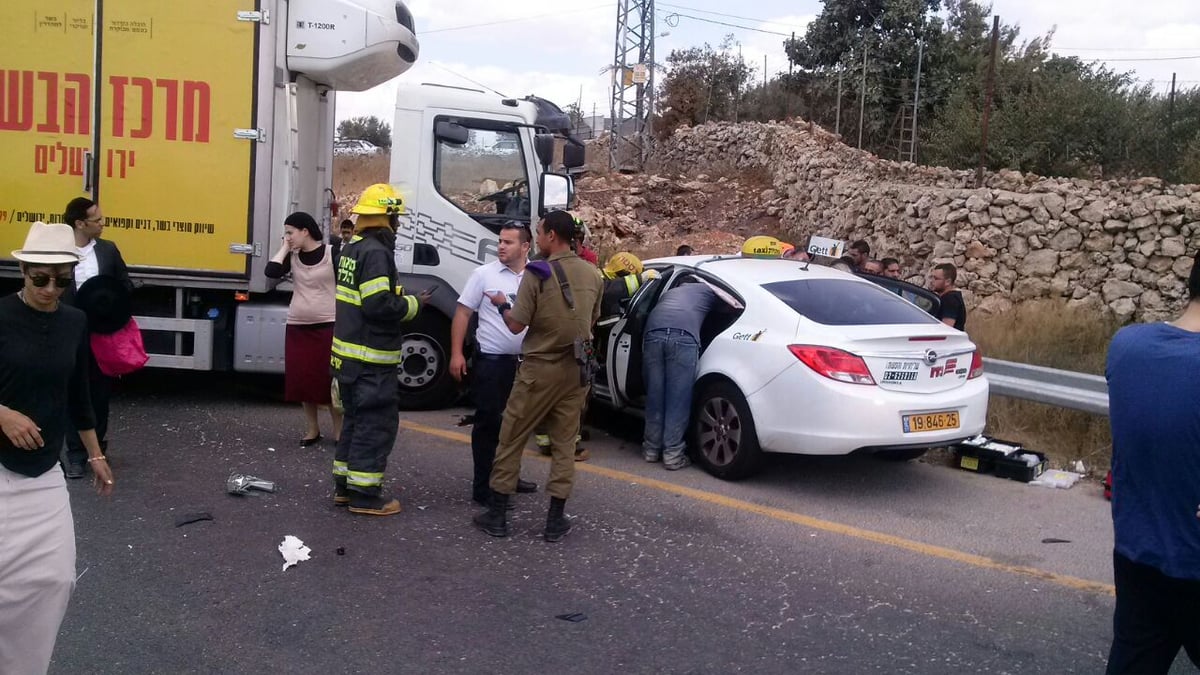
(43,280)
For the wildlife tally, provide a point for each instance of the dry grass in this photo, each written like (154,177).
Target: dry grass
(351,174)
(1048,333)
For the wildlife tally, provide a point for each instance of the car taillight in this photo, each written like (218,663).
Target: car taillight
(976,365)
(834,363)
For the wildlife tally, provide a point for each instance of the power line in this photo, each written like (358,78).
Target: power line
(1126,49)
(728,16)
(1158,58)
(668,15)
(515,20)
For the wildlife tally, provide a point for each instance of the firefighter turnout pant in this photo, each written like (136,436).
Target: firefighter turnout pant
(372,414)
(545,391)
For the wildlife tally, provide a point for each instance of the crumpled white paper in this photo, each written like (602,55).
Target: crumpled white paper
(293,551)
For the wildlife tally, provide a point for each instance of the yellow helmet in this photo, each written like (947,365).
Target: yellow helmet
(762,246)
(379,199)
(623,262)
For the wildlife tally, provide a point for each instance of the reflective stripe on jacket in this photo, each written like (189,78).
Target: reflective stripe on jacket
(370,306)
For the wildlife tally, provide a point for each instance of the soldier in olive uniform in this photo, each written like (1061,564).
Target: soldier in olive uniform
(559,302)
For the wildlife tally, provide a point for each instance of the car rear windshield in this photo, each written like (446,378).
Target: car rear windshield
(842,302)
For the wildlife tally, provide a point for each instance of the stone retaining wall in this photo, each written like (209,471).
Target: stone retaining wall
(1124,245)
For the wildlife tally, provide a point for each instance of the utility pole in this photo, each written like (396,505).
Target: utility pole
(987,99)
(633,85)
(737,94)
(787,90)
(862,95)
(917,98)
(1171,106)
(837,125)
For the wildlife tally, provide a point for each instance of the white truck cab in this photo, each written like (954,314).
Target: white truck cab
(467,162)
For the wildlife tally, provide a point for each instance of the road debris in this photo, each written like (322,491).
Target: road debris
(293,551)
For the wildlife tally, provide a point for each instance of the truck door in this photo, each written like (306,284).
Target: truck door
(175,79)
(46,114)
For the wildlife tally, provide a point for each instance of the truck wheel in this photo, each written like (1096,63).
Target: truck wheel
(725,440)
(425,381)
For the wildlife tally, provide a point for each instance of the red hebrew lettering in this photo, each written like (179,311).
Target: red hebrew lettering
(147,88)
(41,158)
(77,103)
(196,108)
(16,100)
(51,124)
(118,83)
(172,89)
(76,164)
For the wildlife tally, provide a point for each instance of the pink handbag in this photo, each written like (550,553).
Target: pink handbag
(120,353)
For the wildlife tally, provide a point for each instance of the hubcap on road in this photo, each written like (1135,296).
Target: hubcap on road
(720,431)
(422,360)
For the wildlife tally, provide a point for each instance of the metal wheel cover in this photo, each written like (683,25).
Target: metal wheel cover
(720,431)
(422,360)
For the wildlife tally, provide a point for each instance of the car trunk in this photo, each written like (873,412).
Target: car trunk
(905,358)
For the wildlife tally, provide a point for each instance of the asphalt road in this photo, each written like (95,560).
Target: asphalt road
(845,565)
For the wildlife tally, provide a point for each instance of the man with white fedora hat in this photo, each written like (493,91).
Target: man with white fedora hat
(43,390)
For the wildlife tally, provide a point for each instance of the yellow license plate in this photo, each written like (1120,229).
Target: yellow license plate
(937,421)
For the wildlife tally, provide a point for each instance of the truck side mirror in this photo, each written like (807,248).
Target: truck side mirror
(557,193)
(573,156)
(543,145)
(451,132)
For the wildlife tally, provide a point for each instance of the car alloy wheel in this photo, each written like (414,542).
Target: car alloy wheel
(720,431)
(723,434)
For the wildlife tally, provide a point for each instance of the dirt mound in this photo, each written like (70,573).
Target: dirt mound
(650,215)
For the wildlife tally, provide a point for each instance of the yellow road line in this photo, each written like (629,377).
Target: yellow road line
(810,522)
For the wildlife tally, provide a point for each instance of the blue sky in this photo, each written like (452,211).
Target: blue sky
(559,49)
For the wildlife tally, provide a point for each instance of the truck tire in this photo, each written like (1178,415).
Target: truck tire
(725,441)
(425,381)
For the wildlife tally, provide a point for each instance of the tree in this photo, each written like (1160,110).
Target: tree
(371,129)
(701,84)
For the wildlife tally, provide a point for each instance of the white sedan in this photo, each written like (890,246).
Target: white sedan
(817,362)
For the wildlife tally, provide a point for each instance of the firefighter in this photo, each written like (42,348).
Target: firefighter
(367,340)
(622,278)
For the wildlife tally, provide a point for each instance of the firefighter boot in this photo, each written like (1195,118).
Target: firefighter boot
(557,524)
(373,505)
(494,521)
(341,496)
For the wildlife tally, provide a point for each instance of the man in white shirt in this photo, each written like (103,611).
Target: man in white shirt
(497,351)
(97,257)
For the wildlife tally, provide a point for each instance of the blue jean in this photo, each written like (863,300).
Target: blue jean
(669,358)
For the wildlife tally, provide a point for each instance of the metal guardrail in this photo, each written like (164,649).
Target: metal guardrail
(1063,388)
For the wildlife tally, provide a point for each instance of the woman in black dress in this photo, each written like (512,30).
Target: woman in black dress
(44,396)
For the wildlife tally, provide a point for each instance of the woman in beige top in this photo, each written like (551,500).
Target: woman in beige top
(309,332)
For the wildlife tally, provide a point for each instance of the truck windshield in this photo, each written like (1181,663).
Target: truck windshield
(486,175)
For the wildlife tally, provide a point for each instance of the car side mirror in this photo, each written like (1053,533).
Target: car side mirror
(557,193)
(451,132)
(543,146)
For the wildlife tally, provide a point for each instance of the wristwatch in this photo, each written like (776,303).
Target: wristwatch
(503,308)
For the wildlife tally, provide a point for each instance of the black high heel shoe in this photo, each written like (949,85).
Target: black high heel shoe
(309,442)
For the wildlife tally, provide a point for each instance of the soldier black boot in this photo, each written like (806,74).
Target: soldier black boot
(557,525)
(494,521)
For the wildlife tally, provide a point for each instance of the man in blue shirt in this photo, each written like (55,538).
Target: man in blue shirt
(670,354)
(1153,376)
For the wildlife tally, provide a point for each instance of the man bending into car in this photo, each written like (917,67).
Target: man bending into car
(670,353)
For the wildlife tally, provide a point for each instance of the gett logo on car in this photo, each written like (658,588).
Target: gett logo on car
(945,369)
